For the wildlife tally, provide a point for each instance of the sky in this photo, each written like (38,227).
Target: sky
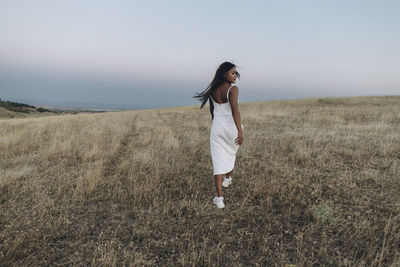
(147,54)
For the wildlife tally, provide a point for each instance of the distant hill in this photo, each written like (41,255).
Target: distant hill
(9,109)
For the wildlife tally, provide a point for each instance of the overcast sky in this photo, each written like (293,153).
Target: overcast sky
(138,54)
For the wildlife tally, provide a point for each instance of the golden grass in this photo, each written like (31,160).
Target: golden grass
(316,182)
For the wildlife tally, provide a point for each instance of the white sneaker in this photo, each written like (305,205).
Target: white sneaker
(219,201)
(226,182)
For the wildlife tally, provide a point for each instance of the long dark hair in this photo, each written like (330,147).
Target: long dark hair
(219,79)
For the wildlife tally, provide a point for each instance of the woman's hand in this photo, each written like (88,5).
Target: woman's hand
(239,139)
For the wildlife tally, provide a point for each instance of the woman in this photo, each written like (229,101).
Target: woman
(226,131)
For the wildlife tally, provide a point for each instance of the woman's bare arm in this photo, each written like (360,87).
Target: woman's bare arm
(233,100)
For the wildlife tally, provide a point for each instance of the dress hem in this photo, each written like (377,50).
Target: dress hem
(223,172)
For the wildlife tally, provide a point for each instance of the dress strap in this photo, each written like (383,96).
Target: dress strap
(227,93)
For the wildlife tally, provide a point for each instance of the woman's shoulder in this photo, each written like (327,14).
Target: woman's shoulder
(234,87)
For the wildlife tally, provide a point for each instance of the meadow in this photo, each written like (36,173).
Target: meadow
(316,182)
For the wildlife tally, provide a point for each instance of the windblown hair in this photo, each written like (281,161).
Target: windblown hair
(219,79)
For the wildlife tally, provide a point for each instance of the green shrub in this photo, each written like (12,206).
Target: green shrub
(322,213)
(43,109)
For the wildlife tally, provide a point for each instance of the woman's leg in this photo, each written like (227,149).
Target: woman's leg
(218,184)
(228,174)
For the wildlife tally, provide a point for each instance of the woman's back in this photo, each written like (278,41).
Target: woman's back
(221,95)
(222,109)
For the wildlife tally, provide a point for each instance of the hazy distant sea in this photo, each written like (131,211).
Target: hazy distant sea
(105,106)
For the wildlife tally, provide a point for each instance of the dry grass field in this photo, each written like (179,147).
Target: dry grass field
(316,182)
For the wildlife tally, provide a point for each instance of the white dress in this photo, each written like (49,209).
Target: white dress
(222,137)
